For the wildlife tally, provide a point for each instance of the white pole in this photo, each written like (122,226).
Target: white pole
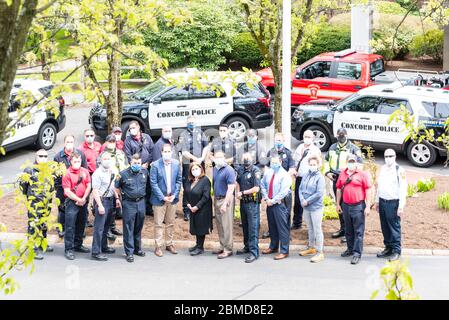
(286,70)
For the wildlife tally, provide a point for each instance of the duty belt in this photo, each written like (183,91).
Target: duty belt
(133,200)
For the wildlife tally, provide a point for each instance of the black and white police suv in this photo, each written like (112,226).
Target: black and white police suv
(42,127)
(365,115)
(158,105)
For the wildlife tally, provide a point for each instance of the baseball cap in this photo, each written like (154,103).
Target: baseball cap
(116,129)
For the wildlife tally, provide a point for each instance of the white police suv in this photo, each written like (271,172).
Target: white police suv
(158,104)
(366,114)
(42,127)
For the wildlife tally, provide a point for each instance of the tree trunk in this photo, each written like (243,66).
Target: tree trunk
(46,70)
(15,21)
(277,74)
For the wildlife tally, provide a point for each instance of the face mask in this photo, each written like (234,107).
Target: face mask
(252,140)
(351,166)
(342,139)
(118,137)
(308,141)
(76,166)
(279,145)
(166,135)
(275,166)
(220,162)
(133,132)
(106,164)
(166,156)
(111,147)
(191,125)
(390,161)
(90,139)
(41,160)
(136,167)
(313,168)
(196,172)
(247,163)
(69,147)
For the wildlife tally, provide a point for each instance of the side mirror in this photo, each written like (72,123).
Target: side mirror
(299,74)
(156,100)
(340,109)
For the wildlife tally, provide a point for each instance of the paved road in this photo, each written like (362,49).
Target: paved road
(77,121)
(205,277)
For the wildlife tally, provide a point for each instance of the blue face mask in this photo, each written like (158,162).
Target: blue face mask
(252,140)
(279,145)
(275,166)
(190,126)
(136,167)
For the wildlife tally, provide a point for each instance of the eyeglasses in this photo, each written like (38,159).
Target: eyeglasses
(389,156)
(42,156)
(89,135)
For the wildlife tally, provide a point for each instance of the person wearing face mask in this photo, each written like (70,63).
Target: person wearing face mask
(390,202)
(301,156)
(276,187)
(166,180)
(353,201)
(104,205)
(311,195)
(336,161)
(166,138)
(64,156)
(224,186)
(199,201)
(91,150)
(132,187)
(257,151)
(119,144)
(247,190)
(77,185)
(224,144)
(193,145)
(35,193)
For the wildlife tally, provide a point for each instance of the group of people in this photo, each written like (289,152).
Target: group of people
(136,177)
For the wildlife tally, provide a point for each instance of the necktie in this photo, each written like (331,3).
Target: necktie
(270,187)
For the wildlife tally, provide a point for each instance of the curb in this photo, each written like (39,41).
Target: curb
(211,245)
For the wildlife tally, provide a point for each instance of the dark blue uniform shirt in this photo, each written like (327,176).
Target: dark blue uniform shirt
(144,147)
(248,178)
(286,156)
(133,185)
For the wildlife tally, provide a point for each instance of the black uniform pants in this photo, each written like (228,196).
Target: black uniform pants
(61,207)
(390,224)
(133,219)
(75,221)
(101,225)
(185,178)
(340,215)
(297,207)
(34,217)
(250,216)
(354,216)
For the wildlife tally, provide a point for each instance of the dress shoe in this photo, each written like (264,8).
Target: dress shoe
(186,218)
(108,250)
(395,256)
(82,249)
(110,236)
(48,249)
(140,253)
(347,253)
(265,235)
(219,251)
(38,255)
(250,259)
(343,239)
(308,252)
(69,255)
(242,251)
(281,256)
(338,234)
(61,234)
(99,257)
(193,248)
(116,232)
(355,260)
(295,227)
(130,258)
(158,252)
(385,253)
(196,252)
(269,251)
(171,249)
(224,255)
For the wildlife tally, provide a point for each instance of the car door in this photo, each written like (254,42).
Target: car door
(312,82)
(385,132)
(348,79)
(170,108)
(356,117)
(210,105)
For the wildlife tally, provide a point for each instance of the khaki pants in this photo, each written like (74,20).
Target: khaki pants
(165,212)
(225,224)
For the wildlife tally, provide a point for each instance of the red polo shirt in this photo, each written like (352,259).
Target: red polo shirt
(118,144)
(355,191)
(71,178)
(91,154)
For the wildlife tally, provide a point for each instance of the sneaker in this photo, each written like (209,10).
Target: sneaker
(317,258)
(38,254)
(308,252)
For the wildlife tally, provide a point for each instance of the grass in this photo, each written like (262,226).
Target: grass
(443,201)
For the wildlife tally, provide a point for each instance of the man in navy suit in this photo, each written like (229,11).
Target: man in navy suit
(166,180)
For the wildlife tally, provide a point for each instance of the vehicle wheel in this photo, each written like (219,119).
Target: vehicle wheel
(322,138)
(421,154)
(46,138)
(237,128)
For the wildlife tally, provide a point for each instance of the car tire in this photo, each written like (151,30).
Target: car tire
(238,127)
(421,154)
(46,137)
(322,138)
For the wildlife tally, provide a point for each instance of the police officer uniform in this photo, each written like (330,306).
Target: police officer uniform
(134,187)
(248,178)
(257,152)
(225,145)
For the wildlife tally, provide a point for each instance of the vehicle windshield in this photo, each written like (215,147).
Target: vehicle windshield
(148,91)
(344,100)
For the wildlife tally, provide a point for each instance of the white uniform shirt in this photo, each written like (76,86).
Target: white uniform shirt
(388,186)
(299,152)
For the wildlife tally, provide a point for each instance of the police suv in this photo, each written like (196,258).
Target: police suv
(158,105)
(42,127)
(366,114)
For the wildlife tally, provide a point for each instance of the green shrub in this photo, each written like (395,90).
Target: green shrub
(330,210)
(429,44)
(390,47)
(245,51)
(443,201)
(412,190)
(389,7)
(425,185)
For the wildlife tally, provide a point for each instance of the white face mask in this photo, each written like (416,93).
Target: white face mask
(351,166)
(90,139)
(390,161)
(196,172)
(308,141)
(69,147)
(166,156)
(133,131)
(76,166)
(166,135)
(220,162)
(313,168)
(106,163)
(118,137)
